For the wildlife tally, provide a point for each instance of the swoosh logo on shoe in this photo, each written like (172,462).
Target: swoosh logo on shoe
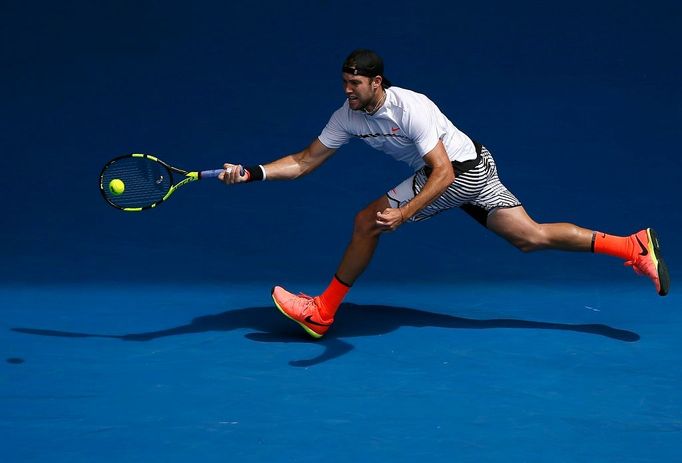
(309,319)
(394,129)
(645,251)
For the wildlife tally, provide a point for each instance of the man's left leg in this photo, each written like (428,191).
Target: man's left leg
(640,250)
(316,314)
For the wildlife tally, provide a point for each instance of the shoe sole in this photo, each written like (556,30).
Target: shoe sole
(661,267)
(308,330)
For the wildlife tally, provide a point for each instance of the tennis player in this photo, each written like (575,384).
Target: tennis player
(451,170)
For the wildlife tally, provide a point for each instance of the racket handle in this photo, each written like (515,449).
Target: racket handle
(215,172)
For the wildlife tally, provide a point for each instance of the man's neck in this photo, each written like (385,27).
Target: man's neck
(379,100)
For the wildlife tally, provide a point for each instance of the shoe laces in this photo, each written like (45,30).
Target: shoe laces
(644,267)
(634,266)
(309,303)
(314,304)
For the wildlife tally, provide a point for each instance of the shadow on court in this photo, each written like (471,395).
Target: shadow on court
(352,321)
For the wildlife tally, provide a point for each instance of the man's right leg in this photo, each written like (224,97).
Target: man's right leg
(316,314)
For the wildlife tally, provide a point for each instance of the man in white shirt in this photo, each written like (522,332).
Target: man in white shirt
(451,170)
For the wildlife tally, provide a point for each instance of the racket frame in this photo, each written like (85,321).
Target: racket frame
(189,177)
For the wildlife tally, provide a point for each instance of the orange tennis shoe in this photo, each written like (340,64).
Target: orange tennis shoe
(302,309)
(648,260)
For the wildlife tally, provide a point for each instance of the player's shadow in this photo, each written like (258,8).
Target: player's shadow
(352,321)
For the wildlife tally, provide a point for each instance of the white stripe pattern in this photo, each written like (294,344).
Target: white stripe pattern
(480,187)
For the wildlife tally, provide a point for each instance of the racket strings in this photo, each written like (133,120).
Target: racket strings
(145,182)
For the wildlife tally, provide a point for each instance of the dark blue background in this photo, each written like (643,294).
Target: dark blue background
(579,102)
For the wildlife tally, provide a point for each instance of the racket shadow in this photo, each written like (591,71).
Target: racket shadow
(352,321)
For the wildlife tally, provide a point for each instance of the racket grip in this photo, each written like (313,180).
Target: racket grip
(215,172)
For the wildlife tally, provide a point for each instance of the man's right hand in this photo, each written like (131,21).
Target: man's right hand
(232,174)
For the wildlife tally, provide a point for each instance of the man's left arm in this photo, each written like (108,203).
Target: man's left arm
(442,175)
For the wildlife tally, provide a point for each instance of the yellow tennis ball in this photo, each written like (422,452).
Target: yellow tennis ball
(116,186)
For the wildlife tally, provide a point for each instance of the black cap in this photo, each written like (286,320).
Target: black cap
(362,62)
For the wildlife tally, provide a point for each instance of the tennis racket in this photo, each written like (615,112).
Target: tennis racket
(137,182)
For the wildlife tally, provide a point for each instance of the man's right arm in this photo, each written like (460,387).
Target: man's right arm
(286,168)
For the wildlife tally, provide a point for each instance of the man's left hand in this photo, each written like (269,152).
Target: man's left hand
(390,219)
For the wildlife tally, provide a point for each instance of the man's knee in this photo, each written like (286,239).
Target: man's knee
(529,240)
(365,222)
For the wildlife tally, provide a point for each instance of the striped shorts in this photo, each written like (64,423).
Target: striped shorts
(478,191)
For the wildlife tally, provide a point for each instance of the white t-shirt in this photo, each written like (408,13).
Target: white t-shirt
(407,126)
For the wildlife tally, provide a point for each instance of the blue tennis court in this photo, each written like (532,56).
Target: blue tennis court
(514,372)
(152,336)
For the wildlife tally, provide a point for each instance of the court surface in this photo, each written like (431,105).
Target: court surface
(507,372)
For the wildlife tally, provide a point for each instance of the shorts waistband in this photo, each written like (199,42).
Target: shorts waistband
(461,167)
